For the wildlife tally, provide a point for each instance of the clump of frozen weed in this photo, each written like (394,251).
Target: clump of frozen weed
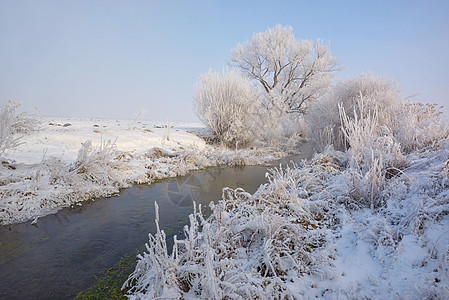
(156,153)
(374,154)
(97,163)
(381,235)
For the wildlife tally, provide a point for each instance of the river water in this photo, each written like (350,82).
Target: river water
(65,252)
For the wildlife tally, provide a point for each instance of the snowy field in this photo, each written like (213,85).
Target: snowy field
(67,161)
(62,137)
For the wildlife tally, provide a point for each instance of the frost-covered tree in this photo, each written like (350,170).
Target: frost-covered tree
(292,72)
(226,104)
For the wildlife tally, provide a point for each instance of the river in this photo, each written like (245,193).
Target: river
(65,252)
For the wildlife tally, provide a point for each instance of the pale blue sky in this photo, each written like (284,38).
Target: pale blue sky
(110,58)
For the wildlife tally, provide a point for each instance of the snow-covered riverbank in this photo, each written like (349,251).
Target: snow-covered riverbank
(306,234)
(368,222)
(71,160)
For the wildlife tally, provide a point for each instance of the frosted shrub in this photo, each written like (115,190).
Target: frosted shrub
(378,93)
(418,125)
(26,123)
(323,124)
(226,104)
(8,121)
(13,123)
(274,127)
(377,128)
(97,163)
(373,152)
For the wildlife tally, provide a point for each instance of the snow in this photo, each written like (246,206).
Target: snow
(299,237)
(335,227)
(68,161)
(56,140)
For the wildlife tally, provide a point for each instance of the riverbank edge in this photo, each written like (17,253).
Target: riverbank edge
(33,191)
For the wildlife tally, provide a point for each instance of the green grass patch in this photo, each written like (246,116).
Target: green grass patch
(109,285)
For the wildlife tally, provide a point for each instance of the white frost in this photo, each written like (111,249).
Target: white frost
(73,160)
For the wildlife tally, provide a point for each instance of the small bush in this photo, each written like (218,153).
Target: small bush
(11,122)
(8,118)
(324,124)
(416,125)
(226,104)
